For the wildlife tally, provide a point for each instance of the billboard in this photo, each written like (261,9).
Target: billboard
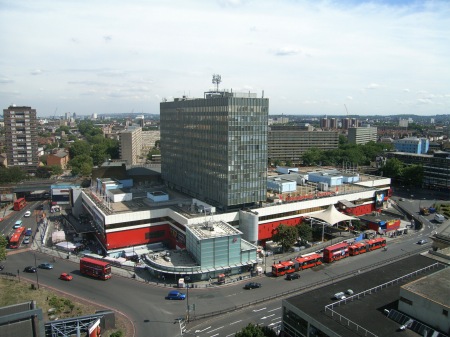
(379,198)
(7,197)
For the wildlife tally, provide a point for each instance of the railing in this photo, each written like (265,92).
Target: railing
(307,287)
(352,325)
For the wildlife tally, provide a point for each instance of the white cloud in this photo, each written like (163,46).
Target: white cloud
(36,72)
(5,80)
(167,49)
(373,86)
(286,51)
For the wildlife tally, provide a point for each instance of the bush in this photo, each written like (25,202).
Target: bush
(118,333)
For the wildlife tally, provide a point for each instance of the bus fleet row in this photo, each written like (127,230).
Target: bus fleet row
(330,254)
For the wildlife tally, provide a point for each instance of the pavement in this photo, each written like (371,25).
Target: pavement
(140,274)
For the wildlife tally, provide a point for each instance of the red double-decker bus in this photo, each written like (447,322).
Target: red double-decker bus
(95,268)
(335,252)
(282,268)
(308,260)
(19,204)
(16,238)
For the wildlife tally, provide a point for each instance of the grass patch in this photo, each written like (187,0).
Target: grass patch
(54,304)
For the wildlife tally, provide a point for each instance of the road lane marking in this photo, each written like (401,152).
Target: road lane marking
(236,322)
(216,329)
(256,310)
(274,309)
(202,330)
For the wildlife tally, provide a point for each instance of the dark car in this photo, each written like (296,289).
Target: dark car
(421,242)
(293,276)
(175,295)
(30,269)
(46,265)
(252,285)
(2,267)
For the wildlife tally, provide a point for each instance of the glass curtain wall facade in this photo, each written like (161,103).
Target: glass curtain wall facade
(215,148)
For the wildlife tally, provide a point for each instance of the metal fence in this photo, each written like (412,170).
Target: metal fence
(352,325)
(307,287)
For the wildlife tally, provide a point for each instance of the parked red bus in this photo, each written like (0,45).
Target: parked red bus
(335,252)
(376,243)
(366,246)
(357,248)
(16,238)
(283,268)
(19,204)
(95,268)
(308,260)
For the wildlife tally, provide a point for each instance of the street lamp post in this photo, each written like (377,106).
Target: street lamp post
(37,274)
(187,279)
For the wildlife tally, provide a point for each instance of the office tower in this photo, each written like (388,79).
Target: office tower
(289,143)
(21,137)
(215,148)
(131,144)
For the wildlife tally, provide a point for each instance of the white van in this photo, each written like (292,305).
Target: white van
(439,218)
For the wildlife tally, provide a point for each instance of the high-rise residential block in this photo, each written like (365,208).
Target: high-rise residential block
(215,148)
(21,137)
(130,146)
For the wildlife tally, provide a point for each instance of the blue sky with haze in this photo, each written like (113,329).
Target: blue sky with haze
(309,57)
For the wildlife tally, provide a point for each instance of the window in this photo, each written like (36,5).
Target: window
(405,300)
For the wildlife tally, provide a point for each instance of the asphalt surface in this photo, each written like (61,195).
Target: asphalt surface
(142,300)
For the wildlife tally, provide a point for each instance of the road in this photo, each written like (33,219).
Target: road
(145,305)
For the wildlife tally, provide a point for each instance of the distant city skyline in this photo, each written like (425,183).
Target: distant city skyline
(308,57)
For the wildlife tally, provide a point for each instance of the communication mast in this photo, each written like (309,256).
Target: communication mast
(216,80)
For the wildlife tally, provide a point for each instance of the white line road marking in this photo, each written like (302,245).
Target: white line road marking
(259,309)
(267,316)
(274,309)
(236,322)
(216,329)
(275,318)
(203,329)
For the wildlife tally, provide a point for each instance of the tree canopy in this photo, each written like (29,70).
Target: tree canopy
(252,330)
(286,236)
(3,244)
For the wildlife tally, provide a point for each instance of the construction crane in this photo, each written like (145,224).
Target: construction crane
(54,115)
(346,109)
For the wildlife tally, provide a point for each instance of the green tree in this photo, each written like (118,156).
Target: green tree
(56,169)
(11,175)
(99,153)
(286,236)
(64,129)
(412,175)
(81,164)
(80,147)
(304,232)
(256,331)
(312,156)
(43,172)
(152,152)
(3,244)
(392,169)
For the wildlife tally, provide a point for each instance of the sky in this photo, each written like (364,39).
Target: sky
(313,57)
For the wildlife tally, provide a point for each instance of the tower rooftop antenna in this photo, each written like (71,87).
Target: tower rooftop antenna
(216,80)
